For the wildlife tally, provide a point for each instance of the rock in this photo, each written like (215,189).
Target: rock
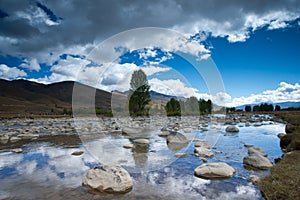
(204,160)
(28,136)
(289,128)
(257,161)
(281,135)
(218,170)
(257,150)
(111,179)
(202,144)
(132,131)
(4,139)
(163,129)
(164,134)
(14,139)
(247,124)
(141,141)
(248,145)
(257,124)
(204,129)
(254,179)
(232,129)
(181,155)
(203,152)
(177,138)
(18,150)
(128,146)
(77,153)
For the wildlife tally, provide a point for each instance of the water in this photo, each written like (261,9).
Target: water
(47,170)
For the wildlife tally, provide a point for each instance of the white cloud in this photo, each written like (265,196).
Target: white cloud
(284,93)
(150,70)
(31,65)
(239,30)
(11,72)
(173,87)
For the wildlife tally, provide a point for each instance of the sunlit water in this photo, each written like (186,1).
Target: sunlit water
(47,170)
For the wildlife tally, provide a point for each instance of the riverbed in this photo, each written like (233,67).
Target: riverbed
(46,168)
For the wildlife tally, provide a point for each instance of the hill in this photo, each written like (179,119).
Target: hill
(20,97)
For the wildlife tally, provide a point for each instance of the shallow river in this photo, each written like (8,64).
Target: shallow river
(48,170)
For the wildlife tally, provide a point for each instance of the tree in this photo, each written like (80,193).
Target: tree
(248,108)
(256,108)
(173,108)
(277,108)
(139,94)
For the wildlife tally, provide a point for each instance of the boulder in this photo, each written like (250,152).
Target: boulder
(218,170)
(231,129)
(164,134)
(254,179)
(77,153)
(112,179)
(18,150)
(203,152)
(131,131)
(141,141)
(257,161)
(177,138)
(256,150)
(202,144)
(247,124)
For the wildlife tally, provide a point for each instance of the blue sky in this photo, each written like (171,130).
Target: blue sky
(252,47)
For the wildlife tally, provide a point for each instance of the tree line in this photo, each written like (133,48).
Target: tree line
(264,107)
(191,106)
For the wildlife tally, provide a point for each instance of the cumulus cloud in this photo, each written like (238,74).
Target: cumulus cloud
(31,65)
(284,93)
(11,72)
(174,87)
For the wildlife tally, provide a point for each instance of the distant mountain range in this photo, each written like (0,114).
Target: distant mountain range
(282,105)
(18,97)
(22,96)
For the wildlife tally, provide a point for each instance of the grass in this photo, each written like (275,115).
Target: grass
(284,179)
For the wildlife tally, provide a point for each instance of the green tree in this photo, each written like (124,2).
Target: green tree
(173,108)
(248,108)
(277,108)
(139,94)
(256,108)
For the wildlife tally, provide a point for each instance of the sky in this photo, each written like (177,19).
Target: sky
(233,52)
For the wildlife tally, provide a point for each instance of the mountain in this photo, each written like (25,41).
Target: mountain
(282,105)
(155,96)
(18,97)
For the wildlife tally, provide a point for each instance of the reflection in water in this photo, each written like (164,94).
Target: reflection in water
(139,153)
(48,171)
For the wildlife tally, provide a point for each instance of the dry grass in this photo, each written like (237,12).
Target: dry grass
(284,179)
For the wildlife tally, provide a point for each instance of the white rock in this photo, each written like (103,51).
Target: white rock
(203,152)
(219,170)
(128,146)
(108,179)
(141,141)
